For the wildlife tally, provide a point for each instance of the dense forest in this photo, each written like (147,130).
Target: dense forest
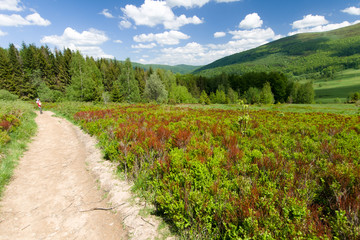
(67,75)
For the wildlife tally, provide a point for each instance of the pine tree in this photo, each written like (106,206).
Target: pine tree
(82,87)
(6,76)
(130,88)
(95,79)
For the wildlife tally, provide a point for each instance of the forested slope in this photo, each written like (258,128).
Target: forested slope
(314,55)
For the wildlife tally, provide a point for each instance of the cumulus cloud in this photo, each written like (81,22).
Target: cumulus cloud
(324,28)
(11,5)
(352,11)
(194,3)
(87,42)
(36,19)
(2,33)
(186,3)
(16,20)
(106,13)
(316,23)
(118,41)
(197,54)
(165,38)
(256,34)
(153,13)
(252,20)
(309,21)
(219,34)
(124,24)
(144,46)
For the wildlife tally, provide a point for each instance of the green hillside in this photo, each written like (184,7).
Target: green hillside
(337,89)
(182,68)
(308,55)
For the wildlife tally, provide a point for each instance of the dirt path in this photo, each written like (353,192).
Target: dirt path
(55,192)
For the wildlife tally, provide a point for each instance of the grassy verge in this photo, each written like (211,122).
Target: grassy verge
(17,128)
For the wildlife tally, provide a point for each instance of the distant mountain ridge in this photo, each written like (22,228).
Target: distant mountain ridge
(181,68)
(302,54)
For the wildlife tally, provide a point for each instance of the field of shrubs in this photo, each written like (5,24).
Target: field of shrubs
(237,174)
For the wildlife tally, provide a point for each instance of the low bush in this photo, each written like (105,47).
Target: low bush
(283,176)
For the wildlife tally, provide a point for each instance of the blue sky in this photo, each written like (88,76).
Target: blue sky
(194,32)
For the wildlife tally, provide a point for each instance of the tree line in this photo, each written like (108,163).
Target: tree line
(57,75)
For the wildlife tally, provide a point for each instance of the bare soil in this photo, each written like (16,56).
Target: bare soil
(62,189)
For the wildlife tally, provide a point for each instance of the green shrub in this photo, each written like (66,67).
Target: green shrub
(8,96)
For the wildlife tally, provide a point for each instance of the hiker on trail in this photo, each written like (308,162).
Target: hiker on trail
(39,104)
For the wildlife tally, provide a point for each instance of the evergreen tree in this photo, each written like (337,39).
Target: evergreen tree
(83,86)
(22,82)
(95,78)
(116,93)
(130,88)
(6,72)
(140,77)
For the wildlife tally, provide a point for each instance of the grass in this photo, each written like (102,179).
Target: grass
(12,151)
(346,82)
(346,109)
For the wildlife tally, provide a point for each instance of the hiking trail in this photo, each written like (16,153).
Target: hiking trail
(62,189)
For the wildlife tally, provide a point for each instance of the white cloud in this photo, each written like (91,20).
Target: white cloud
(153,13)
(36,19)
(352,10)
(186,3)
(219,34)
(124,24)
(324,28)
(255,34)
(144,46)
(3,33)
(15,20)
(118,41)
(165,38)
(86,42)
(178,22)
(309,21)
(227,1)
(196,54)
(194,3)
(106,13)
(10,5)
(252,20)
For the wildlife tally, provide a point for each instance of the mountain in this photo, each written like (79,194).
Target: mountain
(309,55)
(182,68)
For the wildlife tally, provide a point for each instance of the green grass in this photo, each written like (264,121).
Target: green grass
(346,82)
(11,152)
(346,109)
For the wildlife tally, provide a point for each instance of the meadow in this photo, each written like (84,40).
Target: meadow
(344,83)
(237,173)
